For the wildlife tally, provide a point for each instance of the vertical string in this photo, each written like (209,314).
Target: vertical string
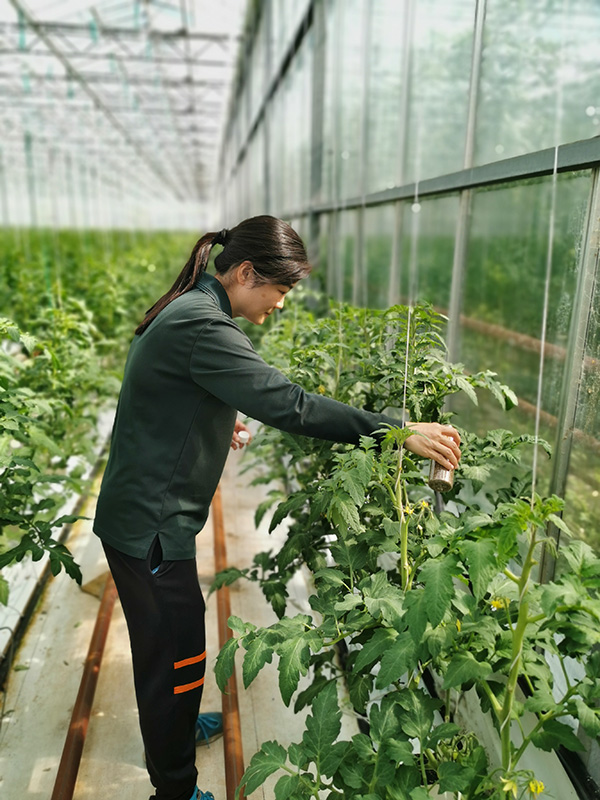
(549,257)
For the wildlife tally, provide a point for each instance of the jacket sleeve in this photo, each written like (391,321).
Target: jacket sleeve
(224,363)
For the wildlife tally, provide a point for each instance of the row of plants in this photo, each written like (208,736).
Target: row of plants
(430,599)
(64,328)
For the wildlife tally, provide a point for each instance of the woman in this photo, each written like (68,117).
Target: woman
(189,371)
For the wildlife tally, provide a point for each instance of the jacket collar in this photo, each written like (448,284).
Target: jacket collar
(211,286)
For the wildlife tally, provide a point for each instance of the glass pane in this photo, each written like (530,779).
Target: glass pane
(385,94)
(540,81)
(379,249)
(583,486)
(503,299)
(343,100)
(442,42)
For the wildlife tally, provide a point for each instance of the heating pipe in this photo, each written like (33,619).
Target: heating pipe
(66,777)
(232,730)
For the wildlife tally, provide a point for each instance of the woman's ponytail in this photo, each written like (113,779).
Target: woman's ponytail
(196,265)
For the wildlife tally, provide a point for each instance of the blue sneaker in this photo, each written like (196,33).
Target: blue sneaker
(209,726)
(204,796)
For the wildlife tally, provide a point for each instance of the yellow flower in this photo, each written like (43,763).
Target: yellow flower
(458,625)
(424,504)
(409,510)
(321,389)
(499,602)
(510,785)
(535,787)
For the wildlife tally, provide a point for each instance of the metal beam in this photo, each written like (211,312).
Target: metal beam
(73,29)
(165,178)
(571,157)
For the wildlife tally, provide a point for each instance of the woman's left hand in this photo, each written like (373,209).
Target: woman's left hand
(236,441)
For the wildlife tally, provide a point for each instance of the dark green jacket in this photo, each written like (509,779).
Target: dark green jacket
(185,377)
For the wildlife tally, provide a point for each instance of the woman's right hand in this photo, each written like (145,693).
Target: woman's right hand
(438,442)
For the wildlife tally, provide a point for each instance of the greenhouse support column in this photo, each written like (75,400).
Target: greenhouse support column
(405,61)
(464,208)
(33,215)
(54,203)
(587,276)
(4,193)
(359,288)
(316,133)
(335,262)
(267,15)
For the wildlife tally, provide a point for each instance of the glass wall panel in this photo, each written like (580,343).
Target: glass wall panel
(503,298)
(343,99)
(342,255)
(427,230)
(540,81)
(583,487)
(442,43)
(385,94)
(379,253)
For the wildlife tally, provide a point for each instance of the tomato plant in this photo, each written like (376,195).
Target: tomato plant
(429,600)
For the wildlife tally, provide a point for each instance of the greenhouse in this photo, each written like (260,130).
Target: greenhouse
(361,430)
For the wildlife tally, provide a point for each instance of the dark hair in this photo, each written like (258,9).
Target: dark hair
(273,247)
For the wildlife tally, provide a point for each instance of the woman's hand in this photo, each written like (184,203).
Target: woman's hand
(439,442)
(236,441)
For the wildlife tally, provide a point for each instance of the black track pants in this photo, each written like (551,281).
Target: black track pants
(164,610)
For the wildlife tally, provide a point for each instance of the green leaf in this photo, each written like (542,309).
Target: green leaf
(226,662)
(400,752)
(446,730)
(553,734)
(257,655)
(416,615)
(384,720)
(268,760)
(294,658)
(477,473)
(398,659)
(330,576)
(465,386)
(226,577)
(374,647)
(454,777)
(286,786)
(416,716)
(480,557)
(383,599)
(323,725)
(306,696)
(333,757)
(560,524)
(420,793)
(437,576)
(342,512)
(4,590)
(588,717)
(464,668)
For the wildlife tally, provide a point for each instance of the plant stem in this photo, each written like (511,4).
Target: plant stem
(399,504)
(518,636)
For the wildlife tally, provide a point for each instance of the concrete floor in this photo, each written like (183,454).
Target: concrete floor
(44,684)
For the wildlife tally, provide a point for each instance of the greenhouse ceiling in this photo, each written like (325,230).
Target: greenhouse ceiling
(139,87)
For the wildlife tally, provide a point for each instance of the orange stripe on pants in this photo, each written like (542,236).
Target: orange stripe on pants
(187,687)
(186,661)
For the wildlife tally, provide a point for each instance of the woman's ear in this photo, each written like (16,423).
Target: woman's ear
(245,273)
